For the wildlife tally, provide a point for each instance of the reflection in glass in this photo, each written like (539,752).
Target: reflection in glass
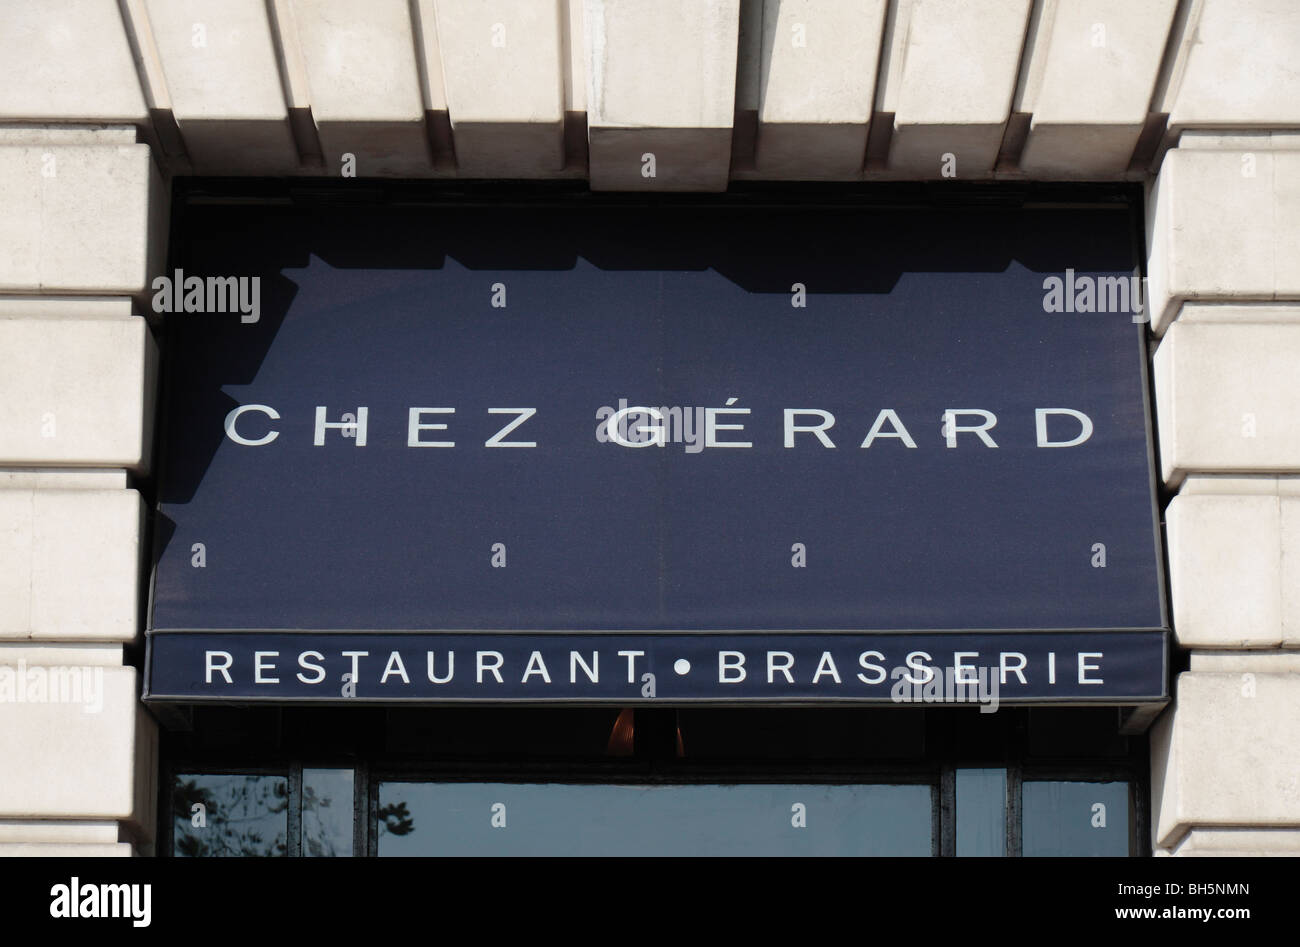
(327,812)
(229,815)
(566,819)
(981,812)
(1076,818)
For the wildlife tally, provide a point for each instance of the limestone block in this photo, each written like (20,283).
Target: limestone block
(70,564)
(67,61)
(817,80)
(960,60)
(68,759)
(1202,198)
(1226,394)
(502,72)
(80,219)
(661,93)
(219,61)
(1240,66)
(78,389)
(364,84)
(1227,755)
(1100,60)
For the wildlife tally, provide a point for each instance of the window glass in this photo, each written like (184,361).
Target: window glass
(1075,818)
(229,815)
(569,819)
(981,812)
(327,812)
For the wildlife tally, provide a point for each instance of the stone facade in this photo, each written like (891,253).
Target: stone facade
(103,103)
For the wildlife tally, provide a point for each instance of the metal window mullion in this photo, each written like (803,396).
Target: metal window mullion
(1015,806)
(948,812)
(166,809)
(936,820)
(361,810)
(372,818)
(293,840)
(1139,840)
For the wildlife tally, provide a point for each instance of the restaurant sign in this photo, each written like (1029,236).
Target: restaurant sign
(677,454)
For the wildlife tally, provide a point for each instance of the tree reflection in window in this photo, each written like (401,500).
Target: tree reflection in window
(216,816)
(395,819)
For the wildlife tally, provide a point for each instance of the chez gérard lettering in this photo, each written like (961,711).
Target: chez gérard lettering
(644,426)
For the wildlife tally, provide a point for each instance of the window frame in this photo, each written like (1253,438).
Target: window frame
(936,767)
